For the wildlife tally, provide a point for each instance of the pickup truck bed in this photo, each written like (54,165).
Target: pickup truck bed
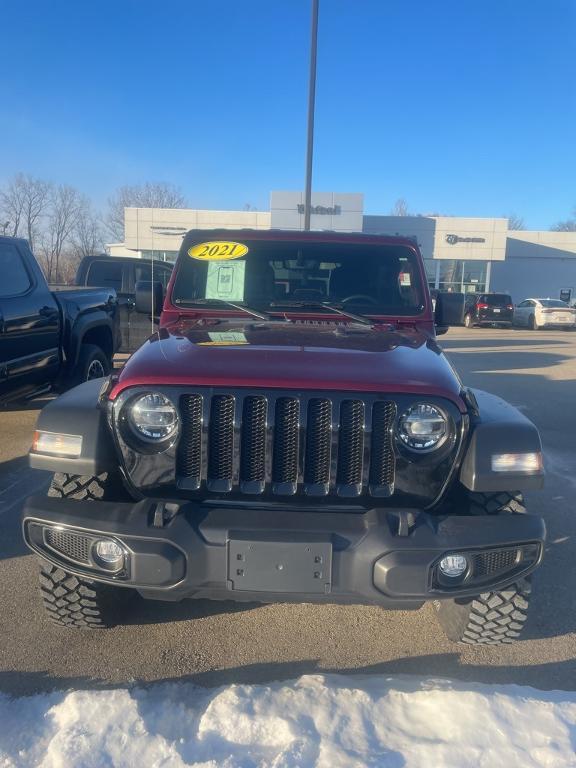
(50,337)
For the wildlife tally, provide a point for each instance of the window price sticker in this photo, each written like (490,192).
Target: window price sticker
(225,280)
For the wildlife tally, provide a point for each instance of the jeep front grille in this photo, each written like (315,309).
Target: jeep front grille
(286,444)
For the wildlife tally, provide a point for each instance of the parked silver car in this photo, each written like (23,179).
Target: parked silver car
(544,313)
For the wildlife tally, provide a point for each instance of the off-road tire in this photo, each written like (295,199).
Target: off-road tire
(73,601)
(492,618)
(104,487)
(502,502)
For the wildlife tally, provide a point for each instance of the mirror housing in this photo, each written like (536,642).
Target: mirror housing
(449,310)
(149,297)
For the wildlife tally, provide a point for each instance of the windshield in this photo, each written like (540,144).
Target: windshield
(269,275)
(553,303)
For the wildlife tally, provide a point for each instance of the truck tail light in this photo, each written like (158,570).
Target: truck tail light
(482,306)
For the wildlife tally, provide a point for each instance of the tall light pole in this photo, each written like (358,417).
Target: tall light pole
(311,102)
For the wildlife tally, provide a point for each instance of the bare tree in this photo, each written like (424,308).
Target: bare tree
(12,205)
(87,236)
(23,203)
(157,195)
(66,208)
(515,221)
(400,208)
(568,225)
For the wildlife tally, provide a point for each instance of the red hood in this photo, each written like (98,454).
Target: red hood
(321,356)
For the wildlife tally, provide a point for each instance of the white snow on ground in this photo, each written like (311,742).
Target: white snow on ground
(331,721)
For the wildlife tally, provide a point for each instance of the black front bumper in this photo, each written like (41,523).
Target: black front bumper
(385,557)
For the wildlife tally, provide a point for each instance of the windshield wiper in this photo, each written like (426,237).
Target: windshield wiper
(207,302)
(326,305)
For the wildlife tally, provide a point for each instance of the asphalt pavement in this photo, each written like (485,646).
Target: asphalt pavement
(213,643)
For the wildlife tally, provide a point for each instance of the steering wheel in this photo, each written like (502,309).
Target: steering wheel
(356,296)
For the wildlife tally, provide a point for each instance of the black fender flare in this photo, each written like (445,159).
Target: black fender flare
(78,412)
(97,319)
(498,427)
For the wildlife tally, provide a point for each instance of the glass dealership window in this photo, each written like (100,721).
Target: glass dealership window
(474,276)
(458,276)
(431,266)
(451,275)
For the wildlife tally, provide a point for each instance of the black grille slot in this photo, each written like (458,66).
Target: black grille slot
(382,462)
(318,440)
(350,448)
(489,563)
(253,445)
(189,459)
(221,443)
(279,444)
(286,445)
(74,546)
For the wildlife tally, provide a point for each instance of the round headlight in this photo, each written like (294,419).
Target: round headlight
(422,427)
(153,417)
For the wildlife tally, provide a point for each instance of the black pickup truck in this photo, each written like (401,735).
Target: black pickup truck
(50,338)
(122,273)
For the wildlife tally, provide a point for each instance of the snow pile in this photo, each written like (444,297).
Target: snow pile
(329,721)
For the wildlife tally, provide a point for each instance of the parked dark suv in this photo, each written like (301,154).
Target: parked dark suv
(122,273)
(489,309)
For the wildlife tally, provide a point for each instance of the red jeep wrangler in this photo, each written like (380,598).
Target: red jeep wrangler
(292,432)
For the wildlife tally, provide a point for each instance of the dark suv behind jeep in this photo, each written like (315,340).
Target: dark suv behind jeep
(489,309)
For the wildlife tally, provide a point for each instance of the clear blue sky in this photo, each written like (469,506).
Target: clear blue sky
(466,108)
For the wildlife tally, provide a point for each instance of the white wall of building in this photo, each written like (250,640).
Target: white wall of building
(119,249)
(447,237)
(162,229)
(336,211)
(538,265)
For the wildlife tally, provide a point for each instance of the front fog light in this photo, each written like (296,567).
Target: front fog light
(108,554)
(453,566)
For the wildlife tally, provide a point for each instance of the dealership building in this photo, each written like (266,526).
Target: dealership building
(460,254)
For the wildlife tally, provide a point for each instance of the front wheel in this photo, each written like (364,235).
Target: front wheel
(468,321)
(92,364)
(74,601)
(80,604)
(492,618)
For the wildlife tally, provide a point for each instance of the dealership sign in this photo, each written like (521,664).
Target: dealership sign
(453,239)
(321,210)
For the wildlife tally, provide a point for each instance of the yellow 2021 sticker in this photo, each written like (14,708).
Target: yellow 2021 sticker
(218,250)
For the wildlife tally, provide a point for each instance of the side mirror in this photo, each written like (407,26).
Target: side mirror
(450,310)
(149,297)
